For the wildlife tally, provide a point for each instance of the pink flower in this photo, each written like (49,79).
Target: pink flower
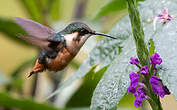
(163,16)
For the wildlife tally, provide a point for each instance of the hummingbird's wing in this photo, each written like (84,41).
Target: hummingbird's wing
(43,44)
(34,29)
(40,35)
(50,48)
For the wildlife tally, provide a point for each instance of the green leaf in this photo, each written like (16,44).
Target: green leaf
(74,64)
(49,9)
(127,101)
(138,33)
(33,8)
(115,81)
(11,29)
(16,83)
(107,49)
(80,73)
(23,104)
(112,6)
(86,89)
(151,48)
(54,10)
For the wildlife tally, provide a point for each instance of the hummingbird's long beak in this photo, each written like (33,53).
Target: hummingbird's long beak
(102,34)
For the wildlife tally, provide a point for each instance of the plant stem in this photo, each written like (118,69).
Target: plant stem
(138,33)
(142,51)
(156,105)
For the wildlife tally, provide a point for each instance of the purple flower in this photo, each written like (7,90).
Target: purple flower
(155,59)
(140,95)
(138,86)
(138,103)
(158,87)
(134,80)
(131,89)
(134,61)
(134,77)
(144,70)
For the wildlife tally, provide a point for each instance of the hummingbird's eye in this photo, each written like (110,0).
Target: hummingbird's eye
(83,32)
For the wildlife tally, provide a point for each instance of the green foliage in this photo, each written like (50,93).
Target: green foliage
(74,64)
(74,77)
(115,81)
(151,48)
(41,10)
(112,6)
(84,93)
(127,101)
(54,11)
(8,101)
(11,29)
(33,9)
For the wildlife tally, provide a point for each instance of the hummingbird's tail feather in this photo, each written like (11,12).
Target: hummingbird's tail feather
(31,73)
(37,68)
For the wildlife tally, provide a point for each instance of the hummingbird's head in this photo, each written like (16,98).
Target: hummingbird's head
(75,35)
(82,30)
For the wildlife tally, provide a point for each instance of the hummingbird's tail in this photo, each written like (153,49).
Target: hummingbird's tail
(31,73)
(37,68)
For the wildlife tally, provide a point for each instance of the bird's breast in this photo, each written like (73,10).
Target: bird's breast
(61,61)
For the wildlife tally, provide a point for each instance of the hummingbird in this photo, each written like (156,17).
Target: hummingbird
(57,48)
